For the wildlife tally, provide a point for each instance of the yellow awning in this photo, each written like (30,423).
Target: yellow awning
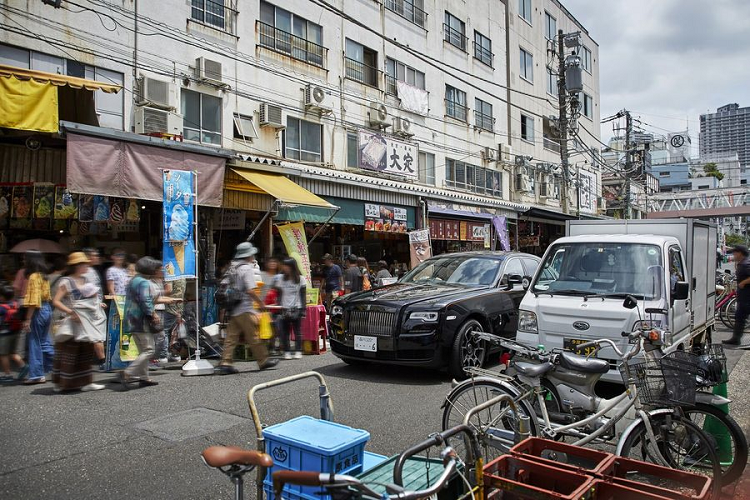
(57,80)
(283,189)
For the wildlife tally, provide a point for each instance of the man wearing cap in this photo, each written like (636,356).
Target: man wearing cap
(334,279)
(243,322)
(741,253)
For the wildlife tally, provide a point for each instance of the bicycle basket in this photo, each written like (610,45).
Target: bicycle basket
(712,366)
(668,381)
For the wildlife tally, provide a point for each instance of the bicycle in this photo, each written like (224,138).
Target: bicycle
(235,462)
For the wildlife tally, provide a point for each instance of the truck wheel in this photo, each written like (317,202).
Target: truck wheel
(467,351)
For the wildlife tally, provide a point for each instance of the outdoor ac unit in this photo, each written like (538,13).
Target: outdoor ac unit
(270,116)
(506,152)
(489,154)
(208,71)
(156,93)
(316,98)
(378,115)
(402,126)
(523,183)
(547,187)
(157,121)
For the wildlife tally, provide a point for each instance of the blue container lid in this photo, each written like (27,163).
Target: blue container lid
(316,435)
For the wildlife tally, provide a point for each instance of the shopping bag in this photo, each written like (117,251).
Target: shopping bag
(265,329)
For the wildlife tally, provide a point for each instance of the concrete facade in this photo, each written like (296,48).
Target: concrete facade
(727,131)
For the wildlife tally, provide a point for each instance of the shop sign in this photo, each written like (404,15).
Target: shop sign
(478,232)
(587,191)
(419,246)
(177,227)
(384,218)
(229,219)
(295,242)
(388,155)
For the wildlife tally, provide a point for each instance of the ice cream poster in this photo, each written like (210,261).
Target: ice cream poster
(86,208)
(6,199)
(179,245)
(22,202)
(44,200)
(66,204)
(101,208)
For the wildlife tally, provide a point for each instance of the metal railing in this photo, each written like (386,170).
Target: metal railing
(484,121)
(456,110)
(217,14)
(361,72)
(294,46)
(408,11)
(455,37)
(551,145)
(391,87)
(483,54)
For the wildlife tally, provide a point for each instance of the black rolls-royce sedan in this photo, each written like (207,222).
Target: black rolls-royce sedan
(426,319)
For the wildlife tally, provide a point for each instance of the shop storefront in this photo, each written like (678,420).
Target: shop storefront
(458,227)
(538,228)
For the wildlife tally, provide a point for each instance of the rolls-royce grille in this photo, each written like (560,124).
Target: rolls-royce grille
(378,323)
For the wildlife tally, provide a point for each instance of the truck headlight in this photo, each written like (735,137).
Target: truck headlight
(426,316)
(527,322)
(337,311)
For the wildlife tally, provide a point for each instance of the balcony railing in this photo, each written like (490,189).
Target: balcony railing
(551,145)
(391,87)
(483,121)
(215,13)
(456,110)
(455,37)
(294,46)
(361,72)
(483,54)
(408,11)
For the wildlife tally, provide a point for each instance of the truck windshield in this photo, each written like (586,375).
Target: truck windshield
(468,271)
(615,269)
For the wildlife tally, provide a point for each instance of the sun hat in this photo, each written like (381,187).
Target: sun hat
(245,250)
(76,258)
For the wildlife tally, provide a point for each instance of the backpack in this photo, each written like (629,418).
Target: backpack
(228,295)
(10,321)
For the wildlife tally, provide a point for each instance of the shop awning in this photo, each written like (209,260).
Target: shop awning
(549,215)
(29,99)
(283,189)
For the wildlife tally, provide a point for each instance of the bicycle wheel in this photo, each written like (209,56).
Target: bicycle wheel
(495,426)
(728,312)
(680,442)
(729,440)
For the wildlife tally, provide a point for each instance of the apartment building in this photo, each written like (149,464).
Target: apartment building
(727,131)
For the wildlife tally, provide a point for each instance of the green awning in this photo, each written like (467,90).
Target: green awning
(351,212)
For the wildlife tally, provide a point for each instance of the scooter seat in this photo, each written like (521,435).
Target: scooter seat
(583,364)
(533,370)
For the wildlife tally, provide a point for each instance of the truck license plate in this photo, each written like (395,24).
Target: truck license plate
(362,343)
(572,345)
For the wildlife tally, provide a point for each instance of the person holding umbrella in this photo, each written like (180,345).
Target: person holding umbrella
(38,318)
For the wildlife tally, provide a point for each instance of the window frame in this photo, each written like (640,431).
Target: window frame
(350,71)
(525,125)
(552,83)
(547,17)
(299,47)
(299,149)
(228,14)
(449,35)
(237,119)
(352,140)
(426,173)
(391,79)
(452,168)
(456,104)
(522,4)
(587,104)
(524,57)
(586,59)
(481,118)
(201,130)
(399,7)
(481,53)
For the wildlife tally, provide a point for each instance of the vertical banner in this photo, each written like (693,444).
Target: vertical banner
(295,241)
(501,228)
(177,229)
(419,246)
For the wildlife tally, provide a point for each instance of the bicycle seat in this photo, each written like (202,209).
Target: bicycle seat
(533,370)
(222,456)
(582,364)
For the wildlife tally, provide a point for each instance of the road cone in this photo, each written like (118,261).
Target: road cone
(719,431)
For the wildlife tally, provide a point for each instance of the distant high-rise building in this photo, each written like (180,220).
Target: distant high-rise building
(727,131)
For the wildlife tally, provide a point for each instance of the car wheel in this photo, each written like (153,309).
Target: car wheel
(468,350)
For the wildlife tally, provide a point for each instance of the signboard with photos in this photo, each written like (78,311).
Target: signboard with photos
(385,219)
(386,154)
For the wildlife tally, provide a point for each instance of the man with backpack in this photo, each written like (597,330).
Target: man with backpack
(236,295)
(10,325)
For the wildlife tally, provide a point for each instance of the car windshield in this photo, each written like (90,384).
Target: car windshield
(467,271)
(615,269)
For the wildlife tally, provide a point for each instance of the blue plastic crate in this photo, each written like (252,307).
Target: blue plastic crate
(306,443)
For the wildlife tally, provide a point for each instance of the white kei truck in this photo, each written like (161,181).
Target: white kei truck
(577,292)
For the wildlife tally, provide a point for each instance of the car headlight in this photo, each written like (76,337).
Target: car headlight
(337,311)
(427,317)
(647,324)
(527,322)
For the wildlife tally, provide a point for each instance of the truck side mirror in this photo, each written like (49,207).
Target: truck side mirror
(630,302)
(681,290)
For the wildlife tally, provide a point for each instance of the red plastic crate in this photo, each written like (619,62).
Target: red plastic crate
(519,478)
(604,490)
(657,480)
(565,456)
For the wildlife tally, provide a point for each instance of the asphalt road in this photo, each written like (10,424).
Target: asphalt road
(146,443)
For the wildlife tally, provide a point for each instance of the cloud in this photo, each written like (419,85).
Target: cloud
(669,60)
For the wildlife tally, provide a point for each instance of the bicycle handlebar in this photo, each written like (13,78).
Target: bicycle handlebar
(434,440)
(624,356)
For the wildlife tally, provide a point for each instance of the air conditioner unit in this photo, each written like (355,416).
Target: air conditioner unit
(489,154)
(156,93)
(208,71)
(157,121)
(523,183)
(402,126)
(316,98)
(270,116)
(547,187)
(506,152)
(378,115)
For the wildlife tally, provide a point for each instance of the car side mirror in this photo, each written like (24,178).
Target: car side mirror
(681,290)
(516,279)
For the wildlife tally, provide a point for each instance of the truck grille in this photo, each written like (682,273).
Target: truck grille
(379,323)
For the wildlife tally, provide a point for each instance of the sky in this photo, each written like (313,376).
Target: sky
(669,61)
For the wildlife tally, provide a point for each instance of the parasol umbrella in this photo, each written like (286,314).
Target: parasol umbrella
(40,245)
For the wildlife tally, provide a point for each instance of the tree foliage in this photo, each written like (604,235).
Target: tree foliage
(712,170)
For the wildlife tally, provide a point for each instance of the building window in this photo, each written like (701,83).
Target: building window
(352,150)
(455,103)
(201,117)
(587,106)
(551,82)
(663,174)
(527,65)
(483,48)
(396,71)
(244,128)
(413,10)
(215,13)
(109,107)
(483,115)
(586,59)
(460,175)
(361,63)
(524,10)
(527,128)
(550,26)
(285,32)
(427,168)
(303,140)
(454,31)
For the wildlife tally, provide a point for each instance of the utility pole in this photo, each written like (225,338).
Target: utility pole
(562,98)
(628,160)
